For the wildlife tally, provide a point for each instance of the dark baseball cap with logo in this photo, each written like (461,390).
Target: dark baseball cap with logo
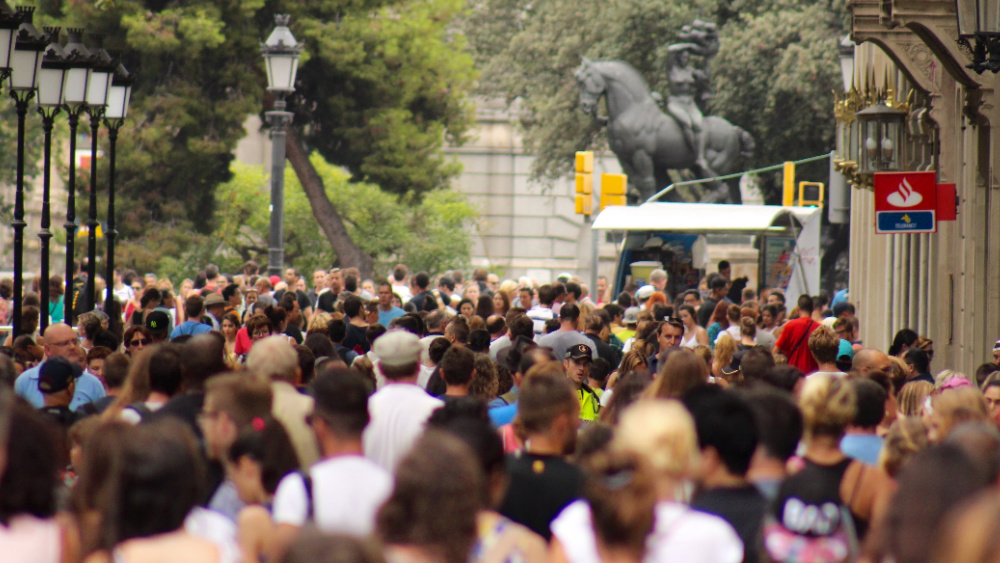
(579,352)
(56,374)
(157,322)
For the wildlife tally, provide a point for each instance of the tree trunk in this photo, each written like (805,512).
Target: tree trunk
(348,253)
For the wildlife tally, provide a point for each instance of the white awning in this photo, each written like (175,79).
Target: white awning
(699,218)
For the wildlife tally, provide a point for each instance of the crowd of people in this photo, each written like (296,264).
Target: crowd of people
(425,419)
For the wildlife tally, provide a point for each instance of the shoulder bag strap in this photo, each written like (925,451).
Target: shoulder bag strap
(805,335)
(307,482)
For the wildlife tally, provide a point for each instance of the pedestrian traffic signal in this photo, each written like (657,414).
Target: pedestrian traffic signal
(613,189)
(811,194)
(584,182)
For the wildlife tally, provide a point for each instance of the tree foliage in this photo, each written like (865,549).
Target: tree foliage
(430,235)
(773,75)
(382,85)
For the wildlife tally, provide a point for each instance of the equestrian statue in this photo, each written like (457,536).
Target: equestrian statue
(649,142)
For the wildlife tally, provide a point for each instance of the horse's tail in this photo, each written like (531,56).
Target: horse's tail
(747,144)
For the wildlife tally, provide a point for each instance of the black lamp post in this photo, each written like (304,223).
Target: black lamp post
(281,57)
(979,29)
(97,98)
(25,63)
(77,81)
(51,85)
(10,21)
(117,111)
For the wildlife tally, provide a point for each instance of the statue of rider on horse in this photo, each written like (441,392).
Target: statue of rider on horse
(646,141)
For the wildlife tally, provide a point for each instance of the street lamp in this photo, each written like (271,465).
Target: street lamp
(979,29)
(881,142)
(25,63)
(281,58)
(114,118)
(80,62)
(97,98)
(51,87)
(10,21)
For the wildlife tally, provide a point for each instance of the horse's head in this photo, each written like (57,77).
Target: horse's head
(591,85)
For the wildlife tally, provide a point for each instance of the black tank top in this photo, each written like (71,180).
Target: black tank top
(827,479)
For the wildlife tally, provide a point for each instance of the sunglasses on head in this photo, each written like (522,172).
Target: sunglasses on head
(673,321)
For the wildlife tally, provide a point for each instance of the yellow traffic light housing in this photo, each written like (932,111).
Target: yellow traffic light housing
(814,197)
(584,182)
(788,185)
(613,188)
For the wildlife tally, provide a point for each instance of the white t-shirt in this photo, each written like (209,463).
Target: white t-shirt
(216,528)
(679,534)
(347,493)
(398,414)
(835,374)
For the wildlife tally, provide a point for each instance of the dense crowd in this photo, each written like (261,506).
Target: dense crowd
(442,419)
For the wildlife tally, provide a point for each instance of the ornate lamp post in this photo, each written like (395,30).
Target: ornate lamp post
(10,21)
(114,118)
(51,86)
(281,58)
(979,29)
(25,64)
(97,98)
(77,83)
(881,142)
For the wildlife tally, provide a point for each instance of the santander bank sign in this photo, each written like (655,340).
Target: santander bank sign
(906,202)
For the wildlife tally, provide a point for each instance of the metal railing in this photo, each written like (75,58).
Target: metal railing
(657,195)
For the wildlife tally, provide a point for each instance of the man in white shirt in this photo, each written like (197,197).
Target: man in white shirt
(400,408)
(344,490)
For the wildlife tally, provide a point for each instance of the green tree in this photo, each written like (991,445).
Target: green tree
(773,75)
(431,234)
(382,85)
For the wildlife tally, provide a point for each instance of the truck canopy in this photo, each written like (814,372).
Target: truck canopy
(702,218)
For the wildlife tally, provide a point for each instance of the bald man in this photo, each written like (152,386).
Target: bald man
(60,342)
(870,360)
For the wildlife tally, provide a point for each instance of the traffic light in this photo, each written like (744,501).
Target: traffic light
(584,182)
(814,196)
(613,189)
(788,187)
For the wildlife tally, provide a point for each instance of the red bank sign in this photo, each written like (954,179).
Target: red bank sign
(905,202)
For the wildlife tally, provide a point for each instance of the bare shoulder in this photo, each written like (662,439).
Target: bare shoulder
(254,517)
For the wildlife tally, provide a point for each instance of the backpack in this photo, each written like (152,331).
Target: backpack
(809,522)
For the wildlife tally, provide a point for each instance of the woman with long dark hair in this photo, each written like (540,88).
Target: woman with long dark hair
(905,339)
(484,307)
(155,482)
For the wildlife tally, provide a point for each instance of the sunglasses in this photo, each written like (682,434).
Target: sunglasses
(140,342)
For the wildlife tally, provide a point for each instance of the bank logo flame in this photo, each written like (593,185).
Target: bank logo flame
(904,196)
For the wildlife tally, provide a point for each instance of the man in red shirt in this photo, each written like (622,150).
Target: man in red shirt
(793,342)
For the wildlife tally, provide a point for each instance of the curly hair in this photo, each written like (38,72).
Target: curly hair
(435,500)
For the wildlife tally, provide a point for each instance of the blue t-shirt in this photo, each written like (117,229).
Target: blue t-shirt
(189,327)
(503,415)
(385,317)
(88,388)
(862,447)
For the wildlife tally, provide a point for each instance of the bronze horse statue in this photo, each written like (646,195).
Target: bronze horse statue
(648,142)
